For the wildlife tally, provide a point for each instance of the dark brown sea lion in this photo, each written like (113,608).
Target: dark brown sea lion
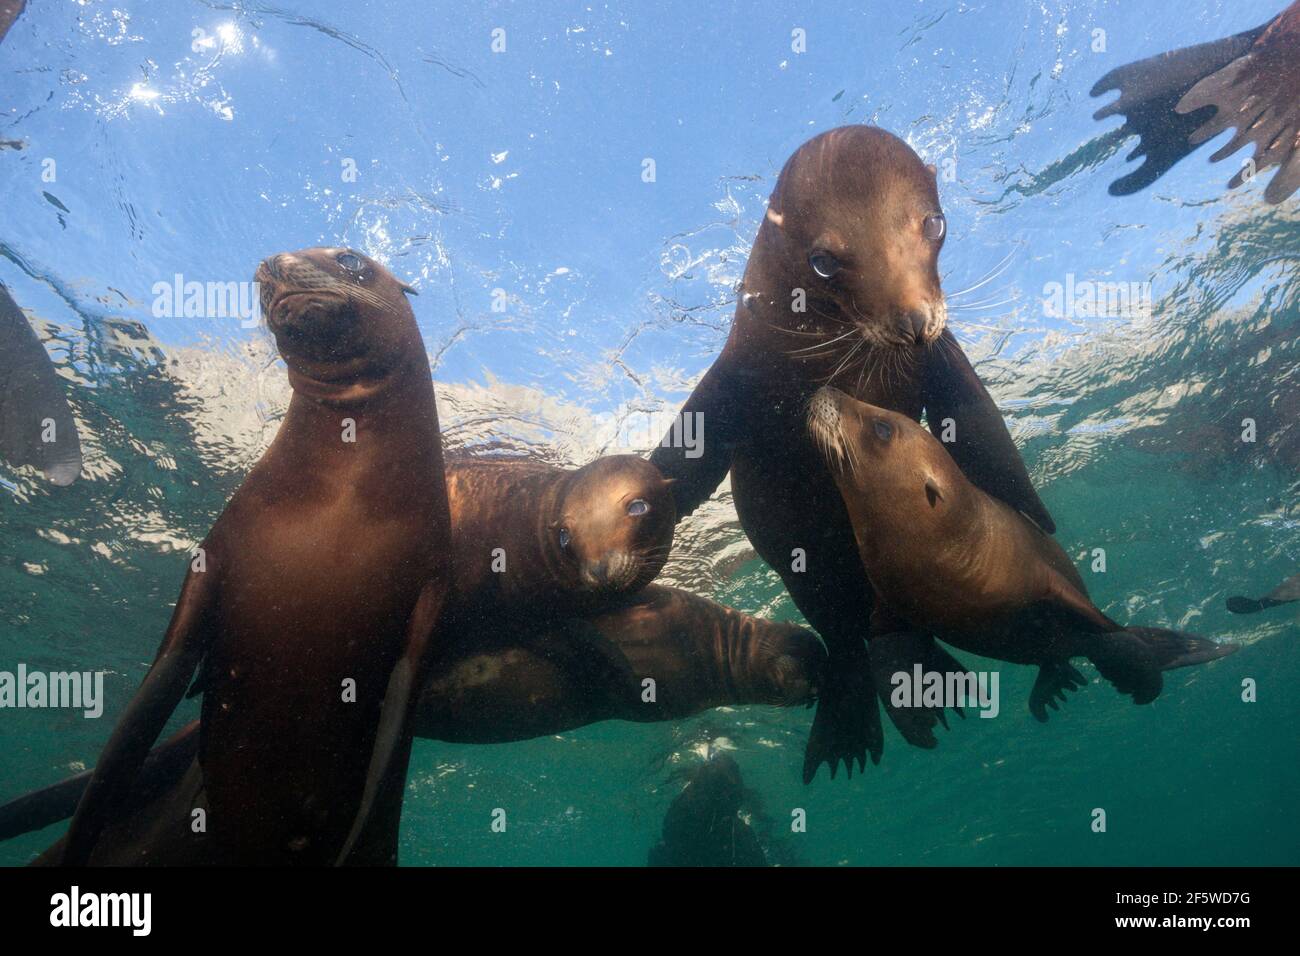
(703,826)
(1285,593)
(513,681)
(318,593)
(528,533)
(852,235)
(1176,101)
(947,559)
(36,424)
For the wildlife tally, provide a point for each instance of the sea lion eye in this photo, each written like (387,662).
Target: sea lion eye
(823,263)
(351,262)
(564,537)
(935,227)
(884,430)
(638,507)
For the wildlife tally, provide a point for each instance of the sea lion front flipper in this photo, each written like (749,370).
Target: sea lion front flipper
(186,641)
(400,698)
(36,424)
(1259,94)
(1150,90)
(1054,679)
(694,461)
(982,446)
(897,653)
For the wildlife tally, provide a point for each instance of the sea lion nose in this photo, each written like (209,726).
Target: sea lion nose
(915,324)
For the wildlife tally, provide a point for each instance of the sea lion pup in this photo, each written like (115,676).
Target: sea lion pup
(315,595)
(36,424)
(519,679)
(842,287)
(947,559)
(528,533)
(703,826)
(1176,101)
(1284,593)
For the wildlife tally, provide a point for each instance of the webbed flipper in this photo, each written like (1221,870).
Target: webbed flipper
(1258,93)
(847,723)
(1054,679)
(696,452)
(982,448)
(400,699)
(1285,593)
(1150,90)
(898,652)
(187,640)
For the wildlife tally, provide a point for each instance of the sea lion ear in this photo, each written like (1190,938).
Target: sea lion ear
(934,170)
(932,492)
(408,289)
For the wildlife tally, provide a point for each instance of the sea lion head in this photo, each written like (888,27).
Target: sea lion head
(615,524)
(340,320)
(883,460)
(787,664)
(855,222)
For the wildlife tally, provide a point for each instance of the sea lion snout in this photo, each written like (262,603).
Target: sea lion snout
(925,323)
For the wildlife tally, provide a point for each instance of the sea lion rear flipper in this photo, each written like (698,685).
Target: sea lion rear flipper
(1132,659)
(1054,679)
(847,723)
(695,462)
(1285,593)
(896,653)
(1259,94)
(400,699)
(185,643)
(36,424)
(982,446)
(1150,90)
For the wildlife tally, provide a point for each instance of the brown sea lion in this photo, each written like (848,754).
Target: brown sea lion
(514,680)
(842,287)
(947,559)
(528,533)
(1176,101)
(315,595)
(703,826)
(36,424)
(1285,593)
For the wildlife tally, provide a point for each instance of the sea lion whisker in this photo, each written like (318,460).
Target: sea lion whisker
(993,273)
(822,345)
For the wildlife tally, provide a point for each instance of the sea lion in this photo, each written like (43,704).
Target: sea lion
(36,424)
(947,559)
(842,287)
(316,594)
(517,679)
(1176,101)
(703,826)
(1284,593)
(527,533)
